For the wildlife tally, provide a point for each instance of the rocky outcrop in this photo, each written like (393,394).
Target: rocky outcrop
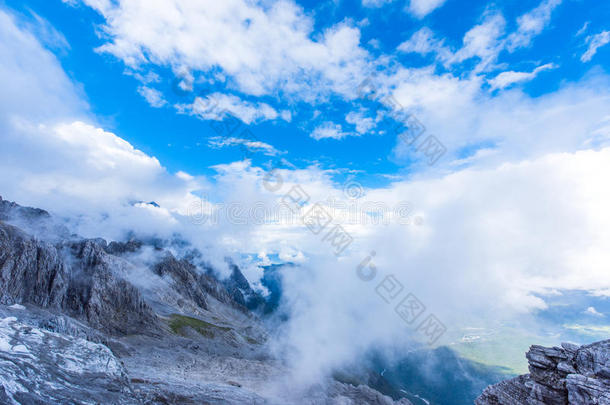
(569,374)
(119,248)
(184,277)
(342,393)
(30,271)
(42,367)
(108,302)
(238,287)
(76,277)
(197,285)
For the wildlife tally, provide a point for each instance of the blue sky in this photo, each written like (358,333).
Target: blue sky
(107,103)
(181,141)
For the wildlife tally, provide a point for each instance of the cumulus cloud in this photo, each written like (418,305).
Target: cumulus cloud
(261,50)
(461,113)
(79,170)
(595,42)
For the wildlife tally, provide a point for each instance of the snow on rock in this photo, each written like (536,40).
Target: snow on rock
(41,366)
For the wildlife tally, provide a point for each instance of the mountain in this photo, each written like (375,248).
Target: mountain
(84,321)
(569,374)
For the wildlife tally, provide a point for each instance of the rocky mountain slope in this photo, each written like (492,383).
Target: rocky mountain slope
(87,322)
(569,374)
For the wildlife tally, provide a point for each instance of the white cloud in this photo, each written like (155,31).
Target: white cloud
(425,42)
(217,106)
(329,130)
(32,79)
(221,142)
(363,123)
(422,88)
(505,79)
(461,113)
(260,50)
(593,311)
(486,40)
(421,8)
(152,96)
(486,266)
(102,151)
(286,115)
(375,3)
(63,161)
(532,24)
(482,41)
(81,171)
(595,42)
(147,78)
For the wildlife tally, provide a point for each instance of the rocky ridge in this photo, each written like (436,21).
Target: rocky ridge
(86,322)
(569,374)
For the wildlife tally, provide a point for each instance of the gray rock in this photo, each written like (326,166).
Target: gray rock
(10,210)
(76,278)
(513,391)
(119,248)
(42,367)
(569,374)
(340,393)
(30,271)
(185,279)
(587,390)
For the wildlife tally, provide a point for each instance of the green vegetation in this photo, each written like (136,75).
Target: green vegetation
(178,323)
(505,349)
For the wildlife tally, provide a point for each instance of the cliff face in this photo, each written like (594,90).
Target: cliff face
(76,277)
(569,374)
